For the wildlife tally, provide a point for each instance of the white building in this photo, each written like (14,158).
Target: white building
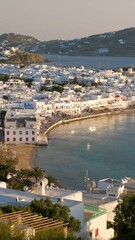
(106,182)
(114,191)
(96,223)
(20,127)
(114,188)
(24,198)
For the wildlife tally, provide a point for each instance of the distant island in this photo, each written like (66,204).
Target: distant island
(16,56)
(116,43)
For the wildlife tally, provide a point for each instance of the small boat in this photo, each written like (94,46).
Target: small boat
(72,132)
(88,146)
(92,129)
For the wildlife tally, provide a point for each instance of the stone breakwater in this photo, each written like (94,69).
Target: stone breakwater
(73,120)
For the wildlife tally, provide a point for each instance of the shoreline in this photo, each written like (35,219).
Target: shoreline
(84,118)
(26,153)
(74,120)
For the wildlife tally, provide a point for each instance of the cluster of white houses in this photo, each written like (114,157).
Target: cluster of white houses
(93,210)
(22,125)
(27,107)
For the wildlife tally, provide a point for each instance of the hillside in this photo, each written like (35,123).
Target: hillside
(22,57)
(117,43)
(120,43)
(17,40)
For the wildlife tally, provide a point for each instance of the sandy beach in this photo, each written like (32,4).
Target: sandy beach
(24,153)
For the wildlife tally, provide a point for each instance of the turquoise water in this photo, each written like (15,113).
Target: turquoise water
(73,148)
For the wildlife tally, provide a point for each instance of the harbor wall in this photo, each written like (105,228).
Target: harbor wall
(52,127)
(73,120)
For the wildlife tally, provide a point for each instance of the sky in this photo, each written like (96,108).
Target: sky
(65,19)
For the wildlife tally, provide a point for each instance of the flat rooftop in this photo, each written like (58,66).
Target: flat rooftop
(109,180)
(9,196)
(60,193)
(96,199)
(92,212)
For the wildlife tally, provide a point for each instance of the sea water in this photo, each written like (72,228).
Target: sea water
(98,62)
(102,146)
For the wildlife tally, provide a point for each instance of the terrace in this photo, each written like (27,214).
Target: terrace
(92,212)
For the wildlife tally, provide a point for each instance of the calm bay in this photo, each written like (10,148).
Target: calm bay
(108,151)
(73,148)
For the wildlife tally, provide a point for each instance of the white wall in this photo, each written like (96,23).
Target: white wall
(110,208)
(77,196)
(3,185)
(103,184)
(77,211)
(99,223)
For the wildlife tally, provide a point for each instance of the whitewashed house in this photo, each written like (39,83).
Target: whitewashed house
(95,227)
(114,190)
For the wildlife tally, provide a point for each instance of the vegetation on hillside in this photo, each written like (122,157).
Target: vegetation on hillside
(124,221)
(56,211)
(6,233)
(47,208)
(7,163)
(117,43)
(10,38)
(22,57)
(28,177)
(5,77)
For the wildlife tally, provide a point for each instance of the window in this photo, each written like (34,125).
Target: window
(33,132)
(96,232)
(33,139)
(7,132)
(14,139)
(14,132)
(27,139)
(27,132)
(20,139)
(20,132)
(7,139)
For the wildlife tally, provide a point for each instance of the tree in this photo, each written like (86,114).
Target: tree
(6,233)
(51,180)
(4,77)
(74,224)
(7,163)
(24,174)
(52,234)
(38,173)
(6,97)
(124,221)
(56,211)
(57,88)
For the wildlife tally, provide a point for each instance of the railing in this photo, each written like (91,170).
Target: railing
(94,212)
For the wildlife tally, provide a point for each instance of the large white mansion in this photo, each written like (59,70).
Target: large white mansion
(20,127)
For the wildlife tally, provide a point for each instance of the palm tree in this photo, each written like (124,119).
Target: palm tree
(24,174)
(51,180)
(38,173)
(5,169)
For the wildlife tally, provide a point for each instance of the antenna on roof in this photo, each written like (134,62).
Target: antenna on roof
(86,177)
